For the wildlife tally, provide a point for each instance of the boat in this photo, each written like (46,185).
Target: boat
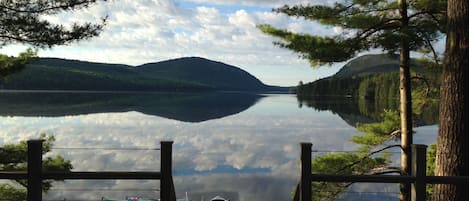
(218,198)
(184,199)
(129,198)
(138,198)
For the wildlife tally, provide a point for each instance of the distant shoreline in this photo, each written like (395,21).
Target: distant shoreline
(130,92)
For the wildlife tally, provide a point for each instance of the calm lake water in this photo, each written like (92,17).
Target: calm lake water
(244,147)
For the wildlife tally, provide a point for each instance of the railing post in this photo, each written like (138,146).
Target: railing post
(166,171)
(305,180)
(34,170)
(419,168)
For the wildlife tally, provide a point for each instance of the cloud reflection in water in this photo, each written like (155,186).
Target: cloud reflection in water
(252,155)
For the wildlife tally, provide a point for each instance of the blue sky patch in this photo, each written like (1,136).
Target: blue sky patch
(224,8)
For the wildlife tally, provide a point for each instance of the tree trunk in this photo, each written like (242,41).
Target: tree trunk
(406,100)
(452,157)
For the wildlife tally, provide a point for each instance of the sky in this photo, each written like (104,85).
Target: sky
(143,31)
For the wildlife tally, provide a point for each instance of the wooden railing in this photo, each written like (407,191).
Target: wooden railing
(34,175)
(418,178)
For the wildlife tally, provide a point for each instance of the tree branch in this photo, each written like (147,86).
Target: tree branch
(431,15)
(367,156)
(53,6)
(41,33)
(386,170)
(435,55)
(377,27)
(427,83)
(395,133)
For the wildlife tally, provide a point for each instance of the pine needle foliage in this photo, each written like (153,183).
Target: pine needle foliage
(23,22)
(367,24)
(13,157)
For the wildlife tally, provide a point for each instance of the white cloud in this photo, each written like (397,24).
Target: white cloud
(141,31)
(265,3)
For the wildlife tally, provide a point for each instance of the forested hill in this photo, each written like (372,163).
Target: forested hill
(205,72)
(184,74)
(372,64)
(374,77)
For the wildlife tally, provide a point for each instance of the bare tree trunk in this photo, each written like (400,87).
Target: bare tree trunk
(406,100)
(452,157)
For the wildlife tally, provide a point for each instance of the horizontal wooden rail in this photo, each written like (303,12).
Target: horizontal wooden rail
(417,179)
(35,173)
(447,179)
(14,175)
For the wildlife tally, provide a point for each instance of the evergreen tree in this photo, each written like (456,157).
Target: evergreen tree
(9,65)
(363,161)
(13,157)
(391,26)
(22,22)
(452,156)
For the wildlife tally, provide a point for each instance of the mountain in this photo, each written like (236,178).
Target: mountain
(183,74)
(374,77)
(204,72)
(372,64)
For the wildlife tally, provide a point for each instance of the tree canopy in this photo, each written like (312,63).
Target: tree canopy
(21,21)
(367,24)
(13,157)
(10,65)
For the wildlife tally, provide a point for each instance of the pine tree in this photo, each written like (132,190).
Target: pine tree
(13,157)
(21,21)
(392,26)
(452,156)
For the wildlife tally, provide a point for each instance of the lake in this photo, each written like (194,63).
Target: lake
(244,147)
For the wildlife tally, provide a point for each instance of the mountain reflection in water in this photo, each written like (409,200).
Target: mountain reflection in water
(359,110)
(187,107)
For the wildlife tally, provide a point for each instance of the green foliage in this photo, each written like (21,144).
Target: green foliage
(360,162)
(10,65)
(13,157)
(378,133)
(432,8)
(372,137)
(370,91)
(341,163)
(372,78)
(57,163)
(346,163)
(22,22)
(330,87)
(374,24)
(431,158)
(317,50)
(376,86)
(8,192)
(184,74)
